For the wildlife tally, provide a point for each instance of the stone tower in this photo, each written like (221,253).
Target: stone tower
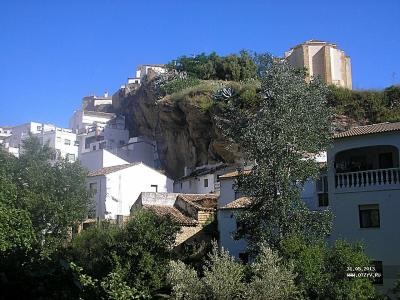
(322,59)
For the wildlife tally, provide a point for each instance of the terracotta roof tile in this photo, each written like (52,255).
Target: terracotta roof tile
(172,212)
(242,202)
(369,129)
(109,170)
(204,202)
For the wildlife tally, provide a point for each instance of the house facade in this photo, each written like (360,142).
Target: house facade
(232,202)
(116,188)
(364,193)
(202,180)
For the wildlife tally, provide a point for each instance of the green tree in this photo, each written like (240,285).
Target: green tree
(54,193)
(138,253)
(322,269)
(268,277)
(288,125)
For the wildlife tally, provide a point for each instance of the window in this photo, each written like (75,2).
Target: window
(121,143)
(71,157)
(240,225)
(205,182)
(39,128)
(322,191)
(58,139)
(94,147)
(67,142)
(76,143)
(154,187)
(93,188)
(369,216)
(181,186)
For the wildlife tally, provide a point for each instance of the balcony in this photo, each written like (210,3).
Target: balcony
(367,169)
(368,180)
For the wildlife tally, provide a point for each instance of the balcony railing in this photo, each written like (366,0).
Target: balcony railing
(369,178)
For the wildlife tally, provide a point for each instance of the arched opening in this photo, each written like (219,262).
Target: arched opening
(367,166)
(367,158)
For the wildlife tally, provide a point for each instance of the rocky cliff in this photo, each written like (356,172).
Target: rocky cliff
(185,134)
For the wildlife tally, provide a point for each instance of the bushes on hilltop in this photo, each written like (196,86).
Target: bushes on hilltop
(233,67)
(367,105)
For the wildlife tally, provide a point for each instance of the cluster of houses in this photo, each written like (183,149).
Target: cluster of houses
(361,185)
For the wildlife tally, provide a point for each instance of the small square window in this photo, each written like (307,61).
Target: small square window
(93,188)
(154,188)
(369,216)
(76,143)
(67,142)
(121,143)
(206,182)
(71,157)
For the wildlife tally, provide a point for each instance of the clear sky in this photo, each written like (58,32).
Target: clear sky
(54,52)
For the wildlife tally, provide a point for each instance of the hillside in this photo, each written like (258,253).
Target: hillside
(180,112)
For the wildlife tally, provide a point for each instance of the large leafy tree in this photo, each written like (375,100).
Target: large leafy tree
(137,254)
(54,193)
(40,202)
(287,125)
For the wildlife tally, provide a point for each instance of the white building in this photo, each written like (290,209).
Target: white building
(116,188)
(231,202)
(83,120)
(202,180)
(5,131)
(143,70)
(98,159)
(109,135)
(62,140)
(139,149)
(322,59)
(20,132)
(364,193)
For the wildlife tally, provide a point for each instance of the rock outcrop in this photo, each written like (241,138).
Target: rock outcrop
(185,134)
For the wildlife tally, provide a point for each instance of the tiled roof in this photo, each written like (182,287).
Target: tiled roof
(242,202)
(203,202)
(172,212)
(233,174)
(369,129)
(109,170)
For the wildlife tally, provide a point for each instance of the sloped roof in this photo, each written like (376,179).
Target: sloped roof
(233,174)
(239,203)
(109,170)
(368,129)
(203,202)
(172,212)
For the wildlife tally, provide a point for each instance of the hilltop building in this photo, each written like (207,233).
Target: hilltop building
(322,59)
(143,70)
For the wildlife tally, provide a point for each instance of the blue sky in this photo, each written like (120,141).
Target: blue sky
(53,52)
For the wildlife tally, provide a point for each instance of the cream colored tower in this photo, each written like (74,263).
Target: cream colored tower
(322,59)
